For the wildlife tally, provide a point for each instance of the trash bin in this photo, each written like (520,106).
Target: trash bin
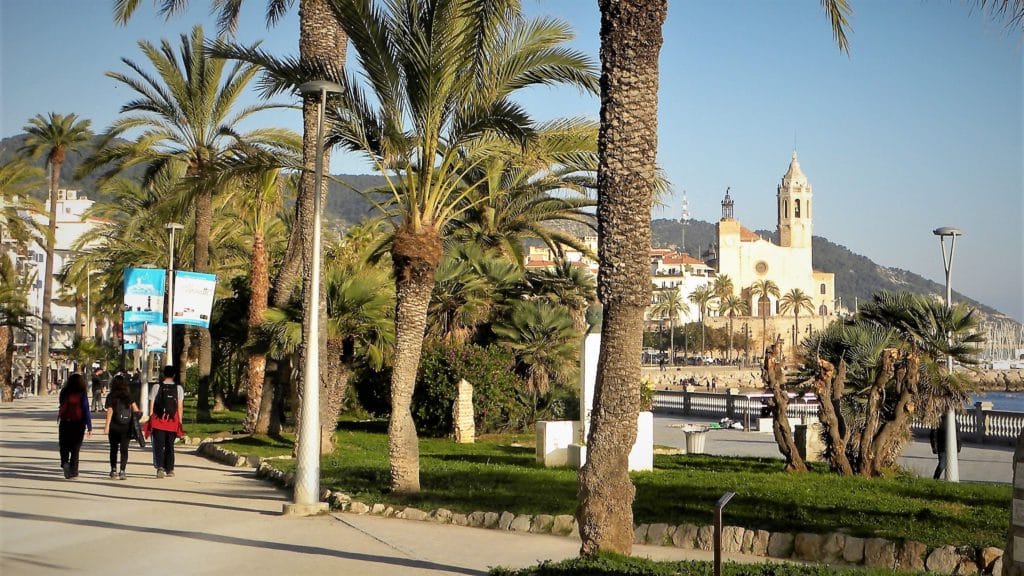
(695,441)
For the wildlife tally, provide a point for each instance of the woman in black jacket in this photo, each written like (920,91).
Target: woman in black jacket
(73,423)
(120,408)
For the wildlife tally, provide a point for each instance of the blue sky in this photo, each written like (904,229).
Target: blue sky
(919,127)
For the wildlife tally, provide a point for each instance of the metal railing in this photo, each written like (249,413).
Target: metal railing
(980,424)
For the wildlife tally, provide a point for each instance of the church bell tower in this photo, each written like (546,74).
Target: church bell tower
(794,195)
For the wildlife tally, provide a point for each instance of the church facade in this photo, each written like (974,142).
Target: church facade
(748,258)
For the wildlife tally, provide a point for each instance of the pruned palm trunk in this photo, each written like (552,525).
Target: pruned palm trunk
(627,147)
(828,385)
(772,375)
(872,409)
(6,361)
(672,341)
(47,311)
(204,224)
(416,257)
(257,307)
(729,355)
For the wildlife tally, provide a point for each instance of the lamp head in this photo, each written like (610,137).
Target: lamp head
(947,231)
(315,87)
(173,226)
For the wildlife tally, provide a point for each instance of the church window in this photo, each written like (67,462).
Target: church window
(823,310)
(822,287)
(761,267)
(764,307)
(796,208)
(785,208)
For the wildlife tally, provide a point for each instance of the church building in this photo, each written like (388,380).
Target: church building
(747,258)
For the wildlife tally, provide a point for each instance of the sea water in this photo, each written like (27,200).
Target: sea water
(1007,401)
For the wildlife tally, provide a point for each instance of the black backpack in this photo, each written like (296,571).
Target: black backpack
(165,405)
(122,414)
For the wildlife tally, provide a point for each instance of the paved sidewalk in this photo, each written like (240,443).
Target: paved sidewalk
(212,519)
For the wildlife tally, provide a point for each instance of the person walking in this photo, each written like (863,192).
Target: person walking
(74,423)
(119,408)
(937,438)
(166,404)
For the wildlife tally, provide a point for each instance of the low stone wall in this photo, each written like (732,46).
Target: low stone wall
(834,548)
(727,377)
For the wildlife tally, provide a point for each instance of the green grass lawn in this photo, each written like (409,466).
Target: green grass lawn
(220,422)
(500,473)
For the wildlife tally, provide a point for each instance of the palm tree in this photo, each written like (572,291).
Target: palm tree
(630,44)
(760,292)
(53,137)
(322,42)
(18,179)
(14,313)
(544,341)
(627,146)
(731,306)
(796,300)
(568,285)
(441,76)
(669,304)
(702,297)
(722,287)
(188,114)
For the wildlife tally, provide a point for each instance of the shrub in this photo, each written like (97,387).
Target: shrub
(498,405)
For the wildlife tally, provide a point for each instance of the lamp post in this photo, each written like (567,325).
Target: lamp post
(952,464)
(169,354)
(307,466)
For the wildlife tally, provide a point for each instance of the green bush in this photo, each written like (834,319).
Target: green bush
(498,405)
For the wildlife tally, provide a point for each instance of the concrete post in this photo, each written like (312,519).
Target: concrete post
(981,410)
(1013,557)
(730,402)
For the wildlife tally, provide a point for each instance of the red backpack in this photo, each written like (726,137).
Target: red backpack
(71,409)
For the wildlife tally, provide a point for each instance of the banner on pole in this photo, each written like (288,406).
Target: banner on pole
(144,294)
(132,332)
(156,337)
(193,298)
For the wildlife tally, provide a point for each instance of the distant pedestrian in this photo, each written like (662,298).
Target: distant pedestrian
(166,404)
(119,408)
(714,383)
(937,438)
(74,423)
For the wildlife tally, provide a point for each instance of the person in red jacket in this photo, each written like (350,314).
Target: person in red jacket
(74,423)
(166,404)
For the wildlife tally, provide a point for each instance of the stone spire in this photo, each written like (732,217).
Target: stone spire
(794,207)
(794,176)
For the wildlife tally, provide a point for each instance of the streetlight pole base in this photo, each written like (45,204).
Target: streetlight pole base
(292,509)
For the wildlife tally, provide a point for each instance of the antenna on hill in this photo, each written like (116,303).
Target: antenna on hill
(684,219)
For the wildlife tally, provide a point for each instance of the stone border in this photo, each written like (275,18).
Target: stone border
(835,548)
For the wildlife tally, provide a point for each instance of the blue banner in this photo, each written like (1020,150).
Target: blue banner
(132,332)
(144,294)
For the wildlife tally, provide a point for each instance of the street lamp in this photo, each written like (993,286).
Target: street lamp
(169,354)
(307,466)
(952,465)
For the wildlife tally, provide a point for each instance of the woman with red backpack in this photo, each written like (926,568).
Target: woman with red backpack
(74,423)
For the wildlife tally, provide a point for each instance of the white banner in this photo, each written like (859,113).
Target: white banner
(193,298)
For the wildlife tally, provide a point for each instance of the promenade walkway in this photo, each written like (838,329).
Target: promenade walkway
(212,519)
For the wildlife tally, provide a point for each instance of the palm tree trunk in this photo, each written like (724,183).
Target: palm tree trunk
(415,257)
(47,313)
(333,385)
(729,355)
(772,375)
(257,307)
(672,341)
(6,361)
(204,224)
(627,148)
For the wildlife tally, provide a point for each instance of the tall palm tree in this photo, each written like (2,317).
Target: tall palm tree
(630,44)
(722,287)
(702,297)
(441,75)
(322,42)
(732,305)
(796,300)
(627,148)
(14,313)
(760,293)
(52,136)
(188,111)
(669,304)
